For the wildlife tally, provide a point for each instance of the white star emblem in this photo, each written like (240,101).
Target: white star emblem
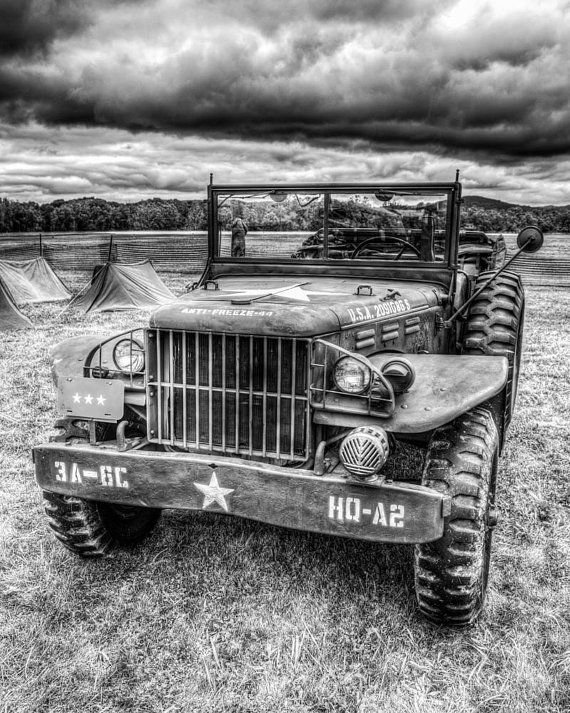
(295,292)
(101,400)
(76,398)
(88,399)
(213,492)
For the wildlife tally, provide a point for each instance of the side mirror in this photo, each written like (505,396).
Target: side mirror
(530,239)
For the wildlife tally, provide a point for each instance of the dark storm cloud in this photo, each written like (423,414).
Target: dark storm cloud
(447,76)
(272,15)
(42,163)
(30,26)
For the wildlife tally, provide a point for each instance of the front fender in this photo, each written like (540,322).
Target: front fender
(68,357)
(446,386)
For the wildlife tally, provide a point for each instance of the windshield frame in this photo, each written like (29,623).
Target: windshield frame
(218,194)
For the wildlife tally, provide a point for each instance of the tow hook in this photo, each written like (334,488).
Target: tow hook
(128,444)
(492,518)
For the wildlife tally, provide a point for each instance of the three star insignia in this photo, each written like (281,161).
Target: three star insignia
(213,493)
(88,399)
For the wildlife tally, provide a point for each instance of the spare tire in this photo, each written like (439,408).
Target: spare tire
(494,327)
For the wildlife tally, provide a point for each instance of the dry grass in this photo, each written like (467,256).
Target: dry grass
(221,614)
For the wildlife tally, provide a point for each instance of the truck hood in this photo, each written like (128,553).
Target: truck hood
(280,306)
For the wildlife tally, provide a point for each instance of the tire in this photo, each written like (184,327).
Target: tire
(494,327)
(451,573)
(91,528)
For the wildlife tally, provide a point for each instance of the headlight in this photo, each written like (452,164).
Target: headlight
(351,375)
(128,356)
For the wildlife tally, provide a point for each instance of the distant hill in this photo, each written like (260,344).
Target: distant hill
(484,202)
(487,202)
(493,216)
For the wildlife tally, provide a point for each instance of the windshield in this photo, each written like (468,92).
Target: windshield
(385,225)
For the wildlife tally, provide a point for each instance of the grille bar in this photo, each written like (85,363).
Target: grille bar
(197,357)
(171,394)
(230,393)
(264,404)
(237,403)
(224,392)
(184,401)
(250,421)
(278,410)
(210,433)
(159,364)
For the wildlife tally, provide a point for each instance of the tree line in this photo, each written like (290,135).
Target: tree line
(511,219)
(96,214)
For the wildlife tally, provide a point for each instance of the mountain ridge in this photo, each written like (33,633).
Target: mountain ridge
(484,202)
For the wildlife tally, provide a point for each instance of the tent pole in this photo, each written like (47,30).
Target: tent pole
(41,247)
(75,297)
(110,248)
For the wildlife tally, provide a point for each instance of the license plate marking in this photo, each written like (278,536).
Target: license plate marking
(354,510)
(107,476)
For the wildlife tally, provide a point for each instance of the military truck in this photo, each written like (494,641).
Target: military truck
(287,383)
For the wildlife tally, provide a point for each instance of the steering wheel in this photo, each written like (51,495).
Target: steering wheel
(405,244)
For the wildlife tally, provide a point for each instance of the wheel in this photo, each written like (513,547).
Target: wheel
(90,528)
(494,327)
(451,573)
(405,246)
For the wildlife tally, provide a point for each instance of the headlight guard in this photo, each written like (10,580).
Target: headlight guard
(346,382)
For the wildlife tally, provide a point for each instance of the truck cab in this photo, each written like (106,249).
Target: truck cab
(282,385)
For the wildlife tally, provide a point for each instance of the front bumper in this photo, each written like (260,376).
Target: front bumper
(379,511)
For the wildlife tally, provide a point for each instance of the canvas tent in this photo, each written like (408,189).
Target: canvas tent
(32,281)
(10,315)
(116,286)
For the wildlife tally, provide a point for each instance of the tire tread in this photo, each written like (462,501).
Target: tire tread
(449,572)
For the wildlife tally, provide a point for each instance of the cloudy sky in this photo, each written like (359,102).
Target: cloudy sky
(129,99)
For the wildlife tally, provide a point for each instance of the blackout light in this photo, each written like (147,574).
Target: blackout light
(364,451)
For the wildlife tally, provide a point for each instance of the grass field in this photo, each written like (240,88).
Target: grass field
(220,614)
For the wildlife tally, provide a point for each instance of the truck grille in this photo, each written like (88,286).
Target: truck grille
(229,393)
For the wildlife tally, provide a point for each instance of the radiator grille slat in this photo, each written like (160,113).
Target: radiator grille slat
(230,393)
(171,362)
(184,401)
(159,401)
(210,394)
(237,401)
(224,393)
(196,394)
